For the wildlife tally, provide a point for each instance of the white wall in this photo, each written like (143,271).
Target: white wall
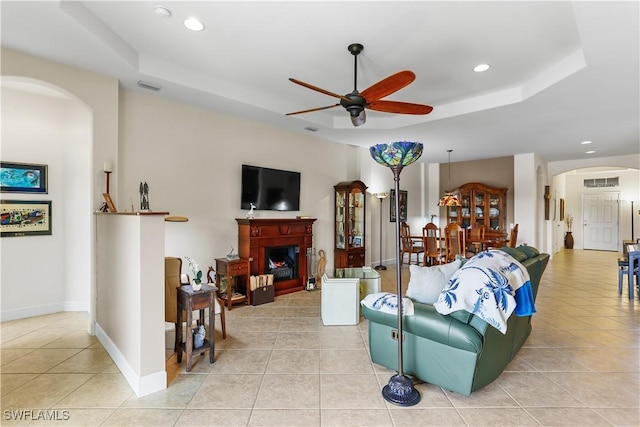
(191,159)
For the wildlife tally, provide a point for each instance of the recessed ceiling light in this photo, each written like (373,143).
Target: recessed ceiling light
(481,67)
(311,129)
(586,142)
(590,152)
(193,24)
(162,11)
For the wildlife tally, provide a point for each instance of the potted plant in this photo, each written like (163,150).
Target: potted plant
(568,237)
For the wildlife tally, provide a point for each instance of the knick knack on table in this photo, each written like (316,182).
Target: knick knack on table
(198,337)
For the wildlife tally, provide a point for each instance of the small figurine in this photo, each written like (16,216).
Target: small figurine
(250,213)
(144,197)
(322,262)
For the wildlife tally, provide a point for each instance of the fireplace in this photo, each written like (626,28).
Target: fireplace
(282,262)
(277,246)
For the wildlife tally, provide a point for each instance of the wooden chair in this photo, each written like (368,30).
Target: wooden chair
(433,251)
(454,241)
(629,264)
(475,238)
(511,241)
(513,237)
(408,245)
(172,270)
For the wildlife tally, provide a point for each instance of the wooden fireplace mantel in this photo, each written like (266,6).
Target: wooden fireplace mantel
(255,235)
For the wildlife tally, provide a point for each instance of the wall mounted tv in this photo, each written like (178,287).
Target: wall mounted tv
(270,189)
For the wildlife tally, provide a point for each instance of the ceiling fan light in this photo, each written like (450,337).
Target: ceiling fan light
(359,119)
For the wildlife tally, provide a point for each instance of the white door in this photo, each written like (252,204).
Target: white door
(600,221)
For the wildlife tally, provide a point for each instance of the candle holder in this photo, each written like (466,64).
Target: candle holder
(396,155)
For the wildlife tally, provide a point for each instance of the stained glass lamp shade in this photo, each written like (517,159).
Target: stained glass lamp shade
(449,199)
(396,155)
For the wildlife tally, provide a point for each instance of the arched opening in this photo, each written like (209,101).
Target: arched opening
(44,124)
(600,201)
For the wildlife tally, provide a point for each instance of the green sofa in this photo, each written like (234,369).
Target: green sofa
(459,351)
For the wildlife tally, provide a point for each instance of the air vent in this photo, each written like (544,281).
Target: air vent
(601,182)
(149,86)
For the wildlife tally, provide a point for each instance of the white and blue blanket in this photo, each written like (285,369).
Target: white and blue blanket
(489,285)
(388,303)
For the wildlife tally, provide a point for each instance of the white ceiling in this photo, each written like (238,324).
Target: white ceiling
(562,72)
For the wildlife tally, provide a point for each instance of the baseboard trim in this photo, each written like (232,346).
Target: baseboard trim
(141,385)
(32,311)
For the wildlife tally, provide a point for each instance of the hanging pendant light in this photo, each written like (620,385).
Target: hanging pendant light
(449,199)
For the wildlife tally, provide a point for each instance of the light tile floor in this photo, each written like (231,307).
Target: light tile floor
(280,366)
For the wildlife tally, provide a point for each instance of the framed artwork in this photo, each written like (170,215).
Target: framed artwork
(561,209)
(25,218)
(110,205)
(403,205)
(23,178)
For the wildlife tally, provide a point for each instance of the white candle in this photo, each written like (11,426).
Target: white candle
(107,166)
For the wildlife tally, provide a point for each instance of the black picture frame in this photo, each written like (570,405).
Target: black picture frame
(402,202)
(25,218)
(23,178)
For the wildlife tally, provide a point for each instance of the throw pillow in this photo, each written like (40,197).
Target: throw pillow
(530,251)
(426,283)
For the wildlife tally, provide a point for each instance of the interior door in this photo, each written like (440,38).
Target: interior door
(600,220)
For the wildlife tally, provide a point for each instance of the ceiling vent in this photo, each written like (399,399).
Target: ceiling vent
(149,86)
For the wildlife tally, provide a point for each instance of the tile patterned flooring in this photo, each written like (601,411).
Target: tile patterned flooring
(279,366)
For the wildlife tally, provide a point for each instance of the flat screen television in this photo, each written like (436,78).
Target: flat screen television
(270,189)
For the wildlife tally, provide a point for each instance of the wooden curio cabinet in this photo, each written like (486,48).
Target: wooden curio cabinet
(481,205)
(349,224)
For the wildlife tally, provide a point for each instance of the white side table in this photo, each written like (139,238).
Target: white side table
(342,292)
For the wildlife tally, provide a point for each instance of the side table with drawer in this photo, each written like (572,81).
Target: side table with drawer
(232,269)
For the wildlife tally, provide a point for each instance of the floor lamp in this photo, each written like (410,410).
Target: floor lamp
(396,155)
(381,197)
(633,235)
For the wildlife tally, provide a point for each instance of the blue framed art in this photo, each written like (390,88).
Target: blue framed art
(23,178)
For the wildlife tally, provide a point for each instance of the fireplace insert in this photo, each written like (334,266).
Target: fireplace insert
(282,262)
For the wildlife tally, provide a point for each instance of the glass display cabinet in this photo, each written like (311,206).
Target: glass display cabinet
(350,202)
(481,205)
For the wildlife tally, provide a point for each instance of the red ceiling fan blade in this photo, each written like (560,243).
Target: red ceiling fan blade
(387,86)
(399,107)
(318,89)
(312,109)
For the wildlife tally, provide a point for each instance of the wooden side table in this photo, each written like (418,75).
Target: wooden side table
(190,300)
(231,269)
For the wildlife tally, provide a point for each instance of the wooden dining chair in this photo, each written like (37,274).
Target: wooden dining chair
(433,250)
(409,245)
(475,238)
(454,241)
(513,236)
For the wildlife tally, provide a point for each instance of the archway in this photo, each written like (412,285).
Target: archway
(44,124)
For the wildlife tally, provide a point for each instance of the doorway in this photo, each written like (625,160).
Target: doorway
(600,220)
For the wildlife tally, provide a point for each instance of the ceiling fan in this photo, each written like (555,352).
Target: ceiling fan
(371,98)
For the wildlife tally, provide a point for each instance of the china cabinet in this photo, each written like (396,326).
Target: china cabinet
(481,205)
(349,224)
